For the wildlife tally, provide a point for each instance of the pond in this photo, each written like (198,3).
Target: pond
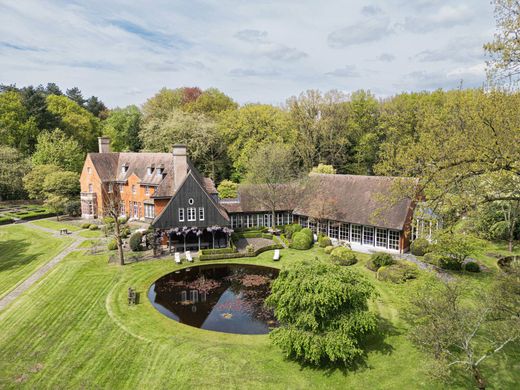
(221,297)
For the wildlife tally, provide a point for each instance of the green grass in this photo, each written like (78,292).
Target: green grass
(55,225)
(89,243)
(91,233)
(76,330)
(22,251)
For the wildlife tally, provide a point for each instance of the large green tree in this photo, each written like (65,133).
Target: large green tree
(123,126)
(13,166)
(56,148)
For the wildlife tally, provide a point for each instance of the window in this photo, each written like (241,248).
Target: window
(159,171)
(121,188)
(356,233)
(194,296)
(122,209)
(110,188)
(191,214)
(381,238)
(304,221)
(259,220)
(147,190)
(393,239)
(136,210)
(149,170)
(201,213)
(190,201)
(334,230)
(181,214)
(124,168)
(90,188)
(312,226)
(89,170)
(344,229)
(149,211)
(368,235)
(323,226)
(279,218)
(133,189)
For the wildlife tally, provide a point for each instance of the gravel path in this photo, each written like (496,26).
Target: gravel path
(40,272)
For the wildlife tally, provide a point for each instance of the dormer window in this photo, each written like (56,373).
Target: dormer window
(159,171)
(89,170)
(124,168)
(149,171)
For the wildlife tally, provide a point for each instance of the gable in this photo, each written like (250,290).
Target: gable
(191,189)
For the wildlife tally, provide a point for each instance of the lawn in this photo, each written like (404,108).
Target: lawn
(55,225)
(91,233)
(22,251)
(76,330)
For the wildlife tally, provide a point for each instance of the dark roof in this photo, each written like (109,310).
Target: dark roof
(364,200)
(108,167)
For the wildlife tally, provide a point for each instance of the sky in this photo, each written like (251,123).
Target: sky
(254,51)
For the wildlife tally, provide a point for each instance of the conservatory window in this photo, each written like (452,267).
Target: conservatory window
(343,232)
(393,239)
(368,235)
(356,233)
(382,238)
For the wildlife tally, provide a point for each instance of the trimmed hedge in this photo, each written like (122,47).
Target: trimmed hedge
(85,225)
(290,230)
(217,251)
(449,263)
(93,227)
(6,220)
(381,259)
(236,255)
(308,232)
(398,272)
(420,246)
(301,241)
(343,256)
(252,234)
(324,241)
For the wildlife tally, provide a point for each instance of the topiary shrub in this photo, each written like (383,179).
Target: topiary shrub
(308,232)
(328,249)
(420,246)
(93,227)
(112,244)
(381,259)
(343,256)
(324,241)
(397,273)
(301,241)
(85,225)
(471,266)
(135,242)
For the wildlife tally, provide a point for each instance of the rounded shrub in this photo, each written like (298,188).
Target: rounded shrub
(112,244)
(381,259)
(420,246)
(328,249)
(324,241)
(290,230)
(93,227)
(135,242)
(122,220)
(85,225)
(449,263)
(343,256)
(472,266)
(308,232)
(397,273)
(301,241)
(108,220)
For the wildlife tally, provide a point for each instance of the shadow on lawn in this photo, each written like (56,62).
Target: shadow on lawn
(374,343)
(13,254)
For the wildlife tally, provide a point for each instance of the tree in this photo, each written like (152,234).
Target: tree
(122,126)
(58,149)
(271,178)
(323,312)
(211,102)
(60,188)
(12,168)
(76,96)
(247,128)
(162,104)
(112,205)
(95,106)
(323,168)
(198,132)
(227,189)
(454,246)
(76,121)
(34,179)
(457,334)
(17,128)
(504,50)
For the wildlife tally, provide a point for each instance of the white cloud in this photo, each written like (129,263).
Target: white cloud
(360,33)
(445,17)
(347,71)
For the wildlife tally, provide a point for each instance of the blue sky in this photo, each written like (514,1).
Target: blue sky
(254,51)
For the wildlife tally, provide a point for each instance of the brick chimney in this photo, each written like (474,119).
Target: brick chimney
(104,144)
(180,165)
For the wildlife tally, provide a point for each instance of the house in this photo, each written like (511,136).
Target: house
(166,190)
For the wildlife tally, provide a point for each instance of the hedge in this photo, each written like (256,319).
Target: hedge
(135,242)
(324,241)
(93,227)
(217,251)
(85,225)
(237,255)
(112,244)
(471,266)
(328,249)
(343,256)
(252,235)
(308,232)
(398,272)
(420,246)
(381,259)
(6,220)
(301,241)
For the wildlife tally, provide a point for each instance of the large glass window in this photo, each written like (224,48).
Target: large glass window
(323,226)
(368,235)
(382,238)
(149,211)
(344,232)
(192,216)
(356,233)
(304,221)
(279,218)
(393,239)
(334,230)
(312,226)
(181,214)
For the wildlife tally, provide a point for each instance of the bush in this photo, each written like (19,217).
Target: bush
(85,225)
(217,251)
(301,241)
(108,220)
(290,230)
(93,227)
(343,256)
(324,241)
(398,272)
(308,232)
(381,259)
(420,247)
(328,249)
(122,220)
(250,249)
(73,208)
(471,266)
(135,242)
(125,231)
(112,244)
(432,258)
(450,263)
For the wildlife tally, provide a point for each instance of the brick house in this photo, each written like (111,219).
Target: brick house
(166,190)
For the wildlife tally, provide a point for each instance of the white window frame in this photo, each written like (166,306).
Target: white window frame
(147,190)
(181,214)
(149,210)
(110,188)
(121,187)
(134,191)
(368,231)
(356,233)
(89,170)
(381,236)
(201,214)
(90,188)
(192,214)
(394,238)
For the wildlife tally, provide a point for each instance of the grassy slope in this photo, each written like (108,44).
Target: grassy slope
(55,225)
(76,330)
(22,251)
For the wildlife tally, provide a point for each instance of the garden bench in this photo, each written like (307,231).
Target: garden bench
(276,255)
(132,295)
(64,231)
(177,257)
(188,256)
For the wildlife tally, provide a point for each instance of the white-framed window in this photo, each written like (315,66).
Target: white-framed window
(159,171)
(149,170)
(304,221)
(90,188)
(323,225)
(344,230)
(334,230)
(89,170)
(393,239)
(149,211)
(368,235)
(121,187)
(259,220)
(122,211)
(136,210)
(312,226)
(192,215)
(124,168)
(133,189)
(181,214)
(382,237)
(190,201)
(279,218)
(147,190)
(356,233)
(110,188)
(201,214)
(194,296)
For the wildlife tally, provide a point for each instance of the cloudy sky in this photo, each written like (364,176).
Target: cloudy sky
(254,51)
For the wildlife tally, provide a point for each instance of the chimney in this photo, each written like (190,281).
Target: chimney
(104,144)
(180,165)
